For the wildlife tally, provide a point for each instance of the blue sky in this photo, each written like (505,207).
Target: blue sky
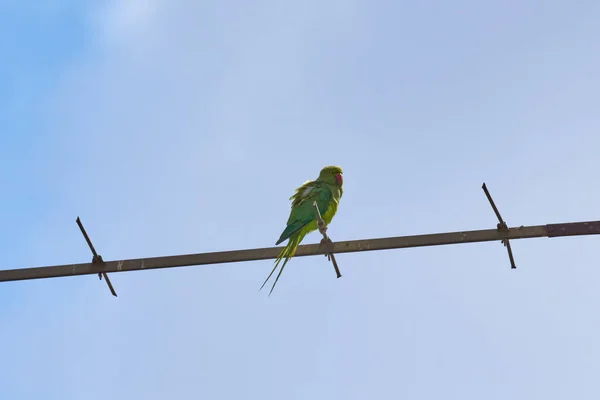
(174,127)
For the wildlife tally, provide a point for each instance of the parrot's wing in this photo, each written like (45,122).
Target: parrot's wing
(303,212)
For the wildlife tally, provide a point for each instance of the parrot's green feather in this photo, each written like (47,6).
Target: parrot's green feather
(327,192)
(303,211)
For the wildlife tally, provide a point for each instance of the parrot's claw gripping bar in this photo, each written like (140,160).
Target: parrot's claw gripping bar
(326,241)
(96,259)
(502,227)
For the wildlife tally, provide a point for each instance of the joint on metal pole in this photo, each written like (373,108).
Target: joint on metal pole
(96,259)
(326,241)
(502,227)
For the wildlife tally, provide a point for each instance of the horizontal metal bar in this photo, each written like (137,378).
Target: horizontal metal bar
(437,239)
(573,229)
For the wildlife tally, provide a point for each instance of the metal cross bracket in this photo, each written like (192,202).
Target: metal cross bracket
(96,259)
(326,240)
(502,227)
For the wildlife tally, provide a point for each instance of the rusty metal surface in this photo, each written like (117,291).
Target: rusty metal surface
(87,239)
(96,259)
(489,197)
(272,252)
(502,226)
(573,229)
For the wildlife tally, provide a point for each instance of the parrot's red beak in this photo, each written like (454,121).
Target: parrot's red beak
(338,179)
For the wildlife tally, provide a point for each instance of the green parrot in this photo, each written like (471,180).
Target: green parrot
(326,190)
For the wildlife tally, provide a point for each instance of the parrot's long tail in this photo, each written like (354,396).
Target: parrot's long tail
(288,252)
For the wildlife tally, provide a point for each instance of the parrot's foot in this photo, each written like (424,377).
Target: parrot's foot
(328,244)
(323,229)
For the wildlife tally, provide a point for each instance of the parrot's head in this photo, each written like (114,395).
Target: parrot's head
(332,174)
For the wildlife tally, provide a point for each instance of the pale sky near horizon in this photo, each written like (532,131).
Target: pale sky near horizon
(175,127)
